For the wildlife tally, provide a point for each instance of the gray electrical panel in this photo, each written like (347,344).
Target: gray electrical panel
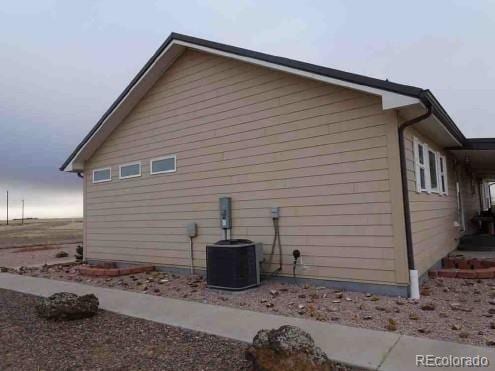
(192,230)
(225,212)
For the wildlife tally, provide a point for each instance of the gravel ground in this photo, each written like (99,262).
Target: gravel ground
(105,342)
(449,309)
(34,255)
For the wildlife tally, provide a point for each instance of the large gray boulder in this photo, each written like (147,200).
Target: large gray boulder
(67,306)
(287,348)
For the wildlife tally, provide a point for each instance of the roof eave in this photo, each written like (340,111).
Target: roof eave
(393,95)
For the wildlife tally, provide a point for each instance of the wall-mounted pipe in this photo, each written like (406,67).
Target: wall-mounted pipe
(191,255)
(192,231)
(413,273)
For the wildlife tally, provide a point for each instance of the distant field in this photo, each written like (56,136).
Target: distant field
(40,232)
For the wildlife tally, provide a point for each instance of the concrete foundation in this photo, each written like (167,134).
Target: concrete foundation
(379,289)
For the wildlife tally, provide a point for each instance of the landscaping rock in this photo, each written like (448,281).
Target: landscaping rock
(391,325)
(67,306)
(79,253)
(456,327)
(61,254)
(428,306)
(286,348)
(425,291)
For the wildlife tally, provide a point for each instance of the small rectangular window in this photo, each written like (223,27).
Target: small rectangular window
(130,170)
(443,175)
(432,158)
(421,154)
(163,165)
(419,159)
(431,169)
(422,179)
(102,175)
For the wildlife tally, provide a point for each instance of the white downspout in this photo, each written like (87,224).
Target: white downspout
(414,284)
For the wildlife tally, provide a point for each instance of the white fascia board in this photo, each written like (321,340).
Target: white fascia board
(394,100)
(390,100)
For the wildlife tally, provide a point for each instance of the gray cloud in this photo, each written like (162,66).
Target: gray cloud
(63,63)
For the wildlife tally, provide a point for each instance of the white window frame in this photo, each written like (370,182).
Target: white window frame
(435,159)
(163,171)
(418,166)
(442,172)
(104,180)
(129,164)
(427,171)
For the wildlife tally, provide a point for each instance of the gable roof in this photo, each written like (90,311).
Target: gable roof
(394,95)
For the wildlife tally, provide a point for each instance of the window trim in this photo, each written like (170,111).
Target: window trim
(435,160)
(163,158)
(442,171)
(426,166)
(129,164)
(104,180)
(418,166)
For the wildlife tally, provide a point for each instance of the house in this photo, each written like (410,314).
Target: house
(374,181)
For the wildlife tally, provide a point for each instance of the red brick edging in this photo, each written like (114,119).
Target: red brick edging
(112,272)
(459,267)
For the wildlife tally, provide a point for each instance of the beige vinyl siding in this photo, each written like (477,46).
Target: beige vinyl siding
(432,215)
(265,138)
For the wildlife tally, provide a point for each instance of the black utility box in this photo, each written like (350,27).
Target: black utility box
(233,264)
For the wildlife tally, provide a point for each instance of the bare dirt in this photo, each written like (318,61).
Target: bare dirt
(38,241)
(449,309)
(41,232)
(107,341)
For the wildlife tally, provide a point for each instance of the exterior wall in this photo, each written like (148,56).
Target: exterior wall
(433,215)
(321,153)
(470,200)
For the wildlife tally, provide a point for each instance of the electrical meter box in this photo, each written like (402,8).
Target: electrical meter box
(225,212)
(192,230)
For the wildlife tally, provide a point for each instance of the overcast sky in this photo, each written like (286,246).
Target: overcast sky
(62,63)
